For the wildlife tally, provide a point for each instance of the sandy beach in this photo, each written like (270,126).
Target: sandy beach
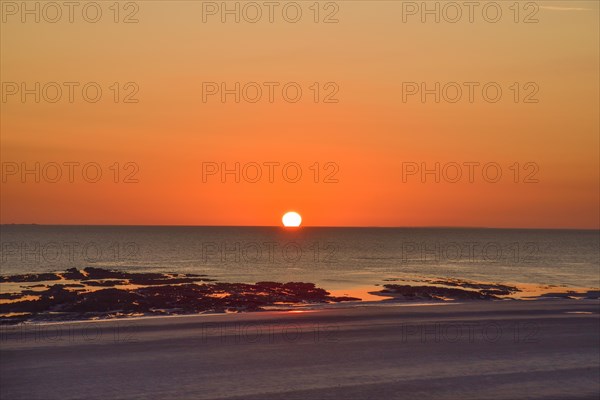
(545,349)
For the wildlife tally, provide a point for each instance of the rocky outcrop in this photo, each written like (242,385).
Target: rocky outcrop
(152,293)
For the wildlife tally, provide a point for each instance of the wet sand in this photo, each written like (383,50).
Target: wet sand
(543,349)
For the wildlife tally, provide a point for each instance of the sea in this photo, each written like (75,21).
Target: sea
(332,258)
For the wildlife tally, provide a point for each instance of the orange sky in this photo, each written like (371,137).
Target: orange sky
(368,134)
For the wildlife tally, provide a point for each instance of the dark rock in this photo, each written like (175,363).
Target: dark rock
(30,278)
(73,273)
(10,296)
(159,294)
(491,288)
(107,300)
(163,281)
(107,283)
(99,273)
(407,292)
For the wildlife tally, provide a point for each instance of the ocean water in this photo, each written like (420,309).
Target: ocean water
(333,258)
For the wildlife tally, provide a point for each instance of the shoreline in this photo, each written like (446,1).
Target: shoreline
(95,293)
(313,308)
(300,309)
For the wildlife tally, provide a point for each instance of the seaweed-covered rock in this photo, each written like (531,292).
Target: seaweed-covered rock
(408,292)
(73,273)
(31,278)
(107,300)
(157,293)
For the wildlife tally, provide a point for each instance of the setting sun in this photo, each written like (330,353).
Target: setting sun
(291,219)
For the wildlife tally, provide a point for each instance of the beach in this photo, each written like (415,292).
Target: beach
(300,200)
(542,349)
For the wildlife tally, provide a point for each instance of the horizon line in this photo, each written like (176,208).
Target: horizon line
(309,226)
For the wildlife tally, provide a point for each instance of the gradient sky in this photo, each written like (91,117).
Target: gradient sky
(369,133)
